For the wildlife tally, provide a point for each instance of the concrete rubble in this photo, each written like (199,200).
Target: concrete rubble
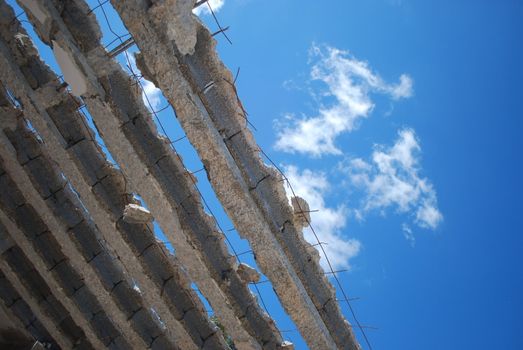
(248,274)
(80,264)
(136,214)
(302,215)
(288,345)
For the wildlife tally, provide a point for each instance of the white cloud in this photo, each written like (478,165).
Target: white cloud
(350,82)
(216,5)
(151,95)
(392,179)
(327,222)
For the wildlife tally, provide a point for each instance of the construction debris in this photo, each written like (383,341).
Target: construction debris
(287,345)
(302,215)
(248,274)
(136,214)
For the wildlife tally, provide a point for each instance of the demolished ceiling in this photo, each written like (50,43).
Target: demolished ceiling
(81,266)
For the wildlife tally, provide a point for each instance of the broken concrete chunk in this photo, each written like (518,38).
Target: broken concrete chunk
(135,214)
(302,215)
(248,274)
(36,9)
(287,345)
(72,74)
(181,27)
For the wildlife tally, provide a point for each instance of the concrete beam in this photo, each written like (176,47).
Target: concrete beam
(265,183)
(19,309)
(13,280)
(12,330)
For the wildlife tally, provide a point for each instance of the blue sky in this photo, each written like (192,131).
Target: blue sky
(401,123)
(458,285)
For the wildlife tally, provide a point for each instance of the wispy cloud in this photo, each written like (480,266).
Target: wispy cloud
(327,222)
(350,82)
(216,5)
(392,179)
(408,234)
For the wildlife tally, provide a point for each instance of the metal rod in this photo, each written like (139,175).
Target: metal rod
(121,48)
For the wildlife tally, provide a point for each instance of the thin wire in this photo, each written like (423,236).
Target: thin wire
(218,23)
(220,31)
(115,40)
(297,330)
(107,20)
(97,6)
(244,114)
(17,16)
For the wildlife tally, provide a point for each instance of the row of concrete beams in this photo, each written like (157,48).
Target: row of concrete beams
(31,229)
(93,251)
(18,325)
(19,328)
(13,335)
(168,34)
(102,189)
(160,278)
(45,287)
(43,280)
(133,314)
(232,301)
(265,184)
(68,245)
(19,317)
(9,279)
